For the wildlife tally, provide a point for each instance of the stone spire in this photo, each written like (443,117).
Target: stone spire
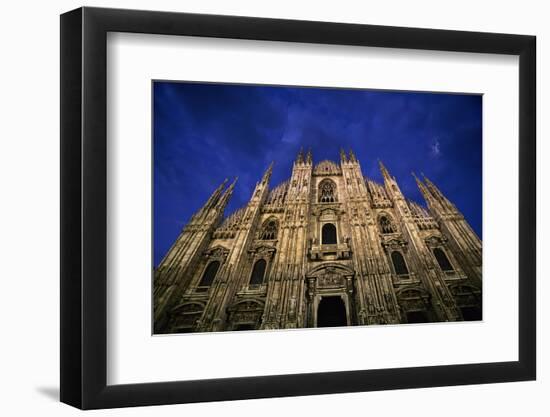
(438,195)
(309,158)
(226,196)
(212,201)
(343,157)
(300,157)
(352,157)
(267,174)
(384,171)
(428,197)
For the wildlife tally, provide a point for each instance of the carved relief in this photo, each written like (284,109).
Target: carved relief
(246,312)
(330,279)
(394,243)
(218,253)
(435,241)
(262,251)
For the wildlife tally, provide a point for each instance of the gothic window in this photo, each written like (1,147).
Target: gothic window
(258,272)
(327,191)
(442,260)
(269,231)
(399,263)
(386,225)
(209,274)
(329,234)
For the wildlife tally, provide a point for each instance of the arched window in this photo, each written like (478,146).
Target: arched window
(258,272)
(442,260)
(269,231)
(327,191)
(399,263)
(329,234)
(209,274)
(386,225)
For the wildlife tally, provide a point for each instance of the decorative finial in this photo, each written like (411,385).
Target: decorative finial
(300,157)
(343,157)
(268,172)
(309,158)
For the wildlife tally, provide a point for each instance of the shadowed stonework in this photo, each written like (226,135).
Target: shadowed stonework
(327,247)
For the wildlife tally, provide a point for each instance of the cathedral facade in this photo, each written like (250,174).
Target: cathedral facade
(328,247)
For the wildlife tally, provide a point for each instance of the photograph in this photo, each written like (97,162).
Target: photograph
(294,207)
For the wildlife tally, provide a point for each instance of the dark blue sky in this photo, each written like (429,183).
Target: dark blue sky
(204,133)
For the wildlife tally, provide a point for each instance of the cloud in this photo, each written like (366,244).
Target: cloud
(435,148)
(204,133)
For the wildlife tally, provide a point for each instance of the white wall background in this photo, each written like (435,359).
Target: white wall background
(29,225)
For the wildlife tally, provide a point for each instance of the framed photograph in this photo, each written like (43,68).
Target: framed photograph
(257,208)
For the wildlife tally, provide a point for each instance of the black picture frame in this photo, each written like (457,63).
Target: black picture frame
(84,207)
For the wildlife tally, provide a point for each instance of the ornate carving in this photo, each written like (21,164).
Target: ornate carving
(262,251)
(435,240)
(327,168)
(246,312)
(330,279)
(269,229)
(386,224)
(327,191)
(218,253)
(292,308)
(393,242)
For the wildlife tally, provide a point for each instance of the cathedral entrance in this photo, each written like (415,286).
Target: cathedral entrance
(331,312)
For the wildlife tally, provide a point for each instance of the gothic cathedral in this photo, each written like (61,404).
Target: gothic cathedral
(328,247)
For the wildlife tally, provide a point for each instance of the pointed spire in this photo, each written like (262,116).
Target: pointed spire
(352,157)
(418,182)
(226,195)
(433,189)
(384,171)
(309,158)
(425,192)
(438,194)
(267,174)
(300,157)
(343,157)
(212,200)
(217,192)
